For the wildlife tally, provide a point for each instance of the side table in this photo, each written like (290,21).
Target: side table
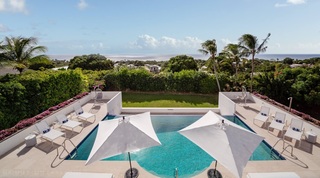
(30,140)
(311,137)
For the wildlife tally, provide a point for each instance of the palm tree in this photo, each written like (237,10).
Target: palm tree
(250,45)
(210,47)
(234,52)
(21,50)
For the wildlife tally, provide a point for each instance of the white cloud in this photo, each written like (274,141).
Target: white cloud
(13,6)
(82,4)
(4,28)
(149,42)
(290,2)
(296,1)
(100,45)
(225,42)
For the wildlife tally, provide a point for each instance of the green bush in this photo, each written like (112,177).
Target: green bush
(24,96)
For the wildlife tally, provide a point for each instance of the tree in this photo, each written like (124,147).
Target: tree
(251,46)
(182,62)
(21,50)
(288,60)
(210,47)
(233,52)
(91,62)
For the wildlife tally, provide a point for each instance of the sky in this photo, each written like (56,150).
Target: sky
(161,27)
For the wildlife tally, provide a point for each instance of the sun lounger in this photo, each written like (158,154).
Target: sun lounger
(48,133)
(263,115)
(86,175)
(67,123)
(81,114)
(278,122)
(273,175)
(295,130)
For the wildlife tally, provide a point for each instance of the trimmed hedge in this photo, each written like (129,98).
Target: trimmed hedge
(24,96)
(141,80)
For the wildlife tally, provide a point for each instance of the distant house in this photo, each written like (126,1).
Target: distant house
(299,65)
(57,68)
(153,68)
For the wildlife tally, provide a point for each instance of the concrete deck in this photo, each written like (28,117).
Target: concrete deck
(42,160)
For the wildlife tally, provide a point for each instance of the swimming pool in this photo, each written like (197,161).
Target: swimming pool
(176,151)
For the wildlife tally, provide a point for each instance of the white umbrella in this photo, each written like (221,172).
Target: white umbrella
(123,135)
(225,141)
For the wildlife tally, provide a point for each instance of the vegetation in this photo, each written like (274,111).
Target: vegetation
(250,46)
(21,50)
(91,62)
(182,62)
(132,99)
(32,92)
(210,47)
(23,96)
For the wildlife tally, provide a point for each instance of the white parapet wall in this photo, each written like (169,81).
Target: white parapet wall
(19,137)
(171,111)
(226,105)
(273,109)
(114,105)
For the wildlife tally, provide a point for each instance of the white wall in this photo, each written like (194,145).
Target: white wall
(169,110)
(114,105)
(226,105)
(18,138)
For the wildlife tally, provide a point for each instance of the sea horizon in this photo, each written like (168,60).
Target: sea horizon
(165,57)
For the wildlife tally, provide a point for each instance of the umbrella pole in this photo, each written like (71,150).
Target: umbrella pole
(130,163)
(215,169)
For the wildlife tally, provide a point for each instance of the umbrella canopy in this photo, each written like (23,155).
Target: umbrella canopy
(127,134)
(230,144)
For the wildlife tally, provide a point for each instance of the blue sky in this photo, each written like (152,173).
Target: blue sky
(161,27)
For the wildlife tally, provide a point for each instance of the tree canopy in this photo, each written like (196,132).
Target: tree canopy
(91,62)
(182,62)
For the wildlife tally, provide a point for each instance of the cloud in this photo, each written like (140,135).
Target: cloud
(4,28)
(13,6)
(148,42)
(290,2)
(296,1)
(82,4)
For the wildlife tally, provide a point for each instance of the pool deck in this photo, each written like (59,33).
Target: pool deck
(42,160)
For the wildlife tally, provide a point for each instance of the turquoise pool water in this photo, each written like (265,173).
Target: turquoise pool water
(176,151)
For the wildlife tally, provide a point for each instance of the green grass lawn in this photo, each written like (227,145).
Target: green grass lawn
(132,99)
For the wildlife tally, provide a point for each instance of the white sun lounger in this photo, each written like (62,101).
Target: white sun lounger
(81,114)
(273,175)
(278,122)
(67,123)
(48,133)
(263,115)
(86,175)
(295,130)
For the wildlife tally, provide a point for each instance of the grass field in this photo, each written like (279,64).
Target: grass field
(132,99)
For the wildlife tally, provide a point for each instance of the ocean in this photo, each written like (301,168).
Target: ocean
(196,56)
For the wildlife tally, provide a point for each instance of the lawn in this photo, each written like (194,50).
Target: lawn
(132,99)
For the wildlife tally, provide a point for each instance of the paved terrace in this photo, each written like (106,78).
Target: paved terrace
(42,160)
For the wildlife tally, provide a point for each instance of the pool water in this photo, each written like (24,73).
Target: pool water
(176,151)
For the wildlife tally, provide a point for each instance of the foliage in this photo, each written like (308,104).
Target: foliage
(21,50)
(210,47)
(251,46)
(139,79)
(41,63)
(182,62)
(91,62)
(27,95)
